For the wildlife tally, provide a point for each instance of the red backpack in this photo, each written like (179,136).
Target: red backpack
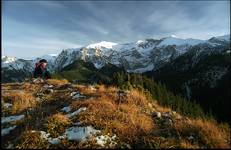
(38,69)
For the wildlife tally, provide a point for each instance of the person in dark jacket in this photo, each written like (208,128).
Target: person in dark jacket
(41,71)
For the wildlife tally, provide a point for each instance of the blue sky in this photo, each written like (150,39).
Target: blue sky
(34,28)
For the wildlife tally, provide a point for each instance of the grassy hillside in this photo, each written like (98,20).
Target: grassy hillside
(85,72)
(58,114)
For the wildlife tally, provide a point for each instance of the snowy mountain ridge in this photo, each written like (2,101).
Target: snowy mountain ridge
(139,56)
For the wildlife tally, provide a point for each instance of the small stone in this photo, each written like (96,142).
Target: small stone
(157,114)
(51,86)
(7,105)
(128,146)
(190,138)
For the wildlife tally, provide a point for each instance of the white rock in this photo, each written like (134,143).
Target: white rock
(73,93)
(104,139)
(6,131)
(11,118)
(77,96)
(10,146)
(80,133)
(76,112)
(190,137)
(66,109)
(45,136)
(167,115)
(7,105)
(77,123)
(54,140)
(158,114)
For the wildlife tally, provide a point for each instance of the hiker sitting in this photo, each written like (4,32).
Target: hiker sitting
(40,71)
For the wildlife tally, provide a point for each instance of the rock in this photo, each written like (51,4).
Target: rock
(102,140)
(156,114)
(73,93)
(190,138)
(66,109)
(128,146)
(77,95)
(7,105)
(167,115)
(77,123)
(47,86)
(10,146)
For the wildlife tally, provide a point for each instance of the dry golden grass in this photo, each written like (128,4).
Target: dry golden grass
(162,109)
(207,133)
(56,82)
(187,145)
(124,119)
(56,124)
(125,115)
(137,98)
(30,87)
(87,90)
(20,100)
(31,140)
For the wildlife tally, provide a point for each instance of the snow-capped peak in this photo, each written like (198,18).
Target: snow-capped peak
(139,41)
(7,59)
(104,44)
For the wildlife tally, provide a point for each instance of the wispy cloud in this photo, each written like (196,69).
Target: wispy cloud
(38,27)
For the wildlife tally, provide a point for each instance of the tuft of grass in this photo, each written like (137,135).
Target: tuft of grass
(186,144)
(137,98)
(206,133)
(32,140)
(56,124)
(20,100)
(30,87)
(56,82)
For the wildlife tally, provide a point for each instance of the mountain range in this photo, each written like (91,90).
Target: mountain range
(140,56)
